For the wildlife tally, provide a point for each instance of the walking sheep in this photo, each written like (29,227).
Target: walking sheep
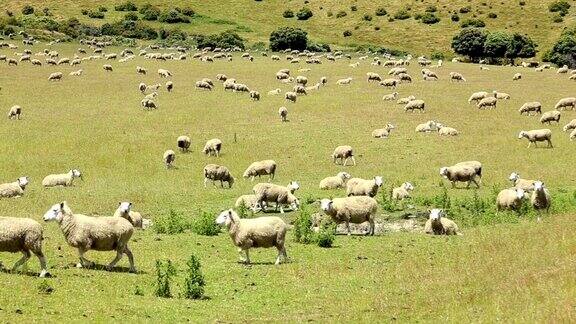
(363,187)
(354,210)
(550,116)
(537,135)
(336,182)
(477,96)
(107,67)
(148,104)
(14,189)
(343,153)
(254,95)
(212,147)
(93,233)
(141,70)
(215,172)
(22,235)
(291,96)
(566,102)
(15,112)
(524,184)
(64,179)
(164,73)
(437,224)
(261,232)
(455,76)
(415,105)
(571,125)
(531,107)
(183,142)
(510,199)
(56,76)
(248,201)
(402,192)
(283,112)
(488,102)
(280,195)
(260,168)
(460,173)
(168,157)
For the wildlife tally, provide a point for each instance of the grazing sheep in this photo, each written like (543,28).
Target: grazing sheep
(540,198)
(363,187)
(403,101)
(391,96)
(323,80)
(336,182)
(283,112)
(572,135)
(516,77)
(344,81)
(15,112)
(563,69)
(460,173)
(298,89)
(537,135)
(343,153)
(151,95)
(314,87)
(301,80)
(239,87)
(403,77)
(477,96)
(290,96)
(215,172)
(212,147)
(169,86)
(247,201)
(221,77)
(247,233)
(164,73)
(524,184)
(125,211)
(148,104)
(254,95)
(351,210)
(168,157)
(14,189)
(438,224)
(488,102)
(373,76)
(22,235)
(12,61)
(142,87)
(107,67)
(501,95)
(56,76)
(36,62)
(550,116)
(455,76)
(389,83)
(183,142)
(63,179)
(280,195)
(415,105)
(566,102)
(402,192)
(510,199)
(447,131)
(530,107)
(260,168)
(570,125)
(141,70)
(93,233)
(205,85)
(383,132)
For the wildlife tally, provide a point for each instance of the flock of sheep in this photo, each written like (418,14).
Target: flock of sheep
(357,205)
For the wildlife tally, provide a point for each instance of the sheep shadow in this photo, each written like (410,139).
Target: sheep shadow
(26,273)
(102,267)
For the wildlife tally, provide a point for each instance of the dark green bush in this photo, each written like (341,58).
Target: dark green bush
(455,17)
(131,16)
(381,12)
(564,50)
(27,10)
(102,9)
(429,18)
(559,6)
(95,14)
(165,270)
(464,10)
(204,224)
(431,8)
(492,15)
(347,33)
(172,16)
(126,6)
(173,223)
(402,14)
(149,12)
(472,23)
(353,8)
(318,47)
(303,226)
(187,11)
(288,38)
(288,14)
(304,14)
(194,282)
(341,14)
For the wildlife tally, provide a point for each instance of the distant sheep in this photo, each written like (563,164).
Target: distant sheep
(477,96)
(183,142)
(164,73)
(215,172)
(415,105)
(517,77)
(344,81)
(571,125)
(213,147)
(402,192)
(107,67)
(260,168)
(254,95)
(538,135)
(391,96)
(550,116)
(290,96)
(455,76)
(343,153)
(363,187)
(56,76)
(283,112)
(530,107)
(15,112)
(168,157)
(565,103)
(383,132)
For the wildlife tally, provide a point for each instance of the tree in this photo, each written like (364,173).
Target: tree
(470,42)
(521,46)
(496,44)
(564,50)
(304,14)
(288,37)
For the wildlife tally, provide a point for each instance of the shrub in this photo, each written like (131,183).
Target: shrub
(165,270)
(431,8)
(492,15)
(288,38)
(95,14)
(173,223)
(102,9)
(381,12)
(45,288)
(341,14)
(187,11)
(437,56)
(430,18)
(367,17)
(557,18)
(227,39)
(469,42)
(564,50)
(204,224)
(522,3)
(329,14)
(472,23)
(386,201)
(376,28)
(304,14)
(559,6)
(126,6)
(47,12)
(84,12)
(149,12)
(138,291)
(353,8)
(303,226)
(496,44)
(347,33)
(172,16)
(131,16)
(455,17)
(318,47)
(464,10)
(402,14)
(288,14)
(326,234)
(27,10)
(194,281)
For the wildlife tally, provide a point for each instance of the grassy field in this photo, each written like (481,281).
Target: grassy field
(519,271)
(255,20)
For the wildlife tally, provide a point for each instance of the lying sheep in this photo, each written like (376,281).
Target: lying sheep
(163,73)
(563,69)
(351,210)
(343,153)
(336,182)
(455,76)
(501,95)
(56,76)
(280,195)
(183,142)
(438,224)
(402,192)
(204,85)
(260,168)
(215,172)
(64,179)
(274,92)
(283,112)
(524,184)
(14,189)
(427,127)
(22,235)
(383,132)
(247,233)
(93,233)
(537,135)
(550,116)
(391,96)
(415,105)
(540,198)
(213,147)
(168,157)
(510,199)
(447,131)
(460,173)
(363,187)
(15,112)
(570,125)
(529,107)
(517,77)
(125,211)
(565,103)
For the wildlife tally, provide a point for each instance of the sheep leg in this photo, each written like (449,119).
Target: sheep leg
(372,226)
(281,209)
(83,261)
(243,256)
(348,228)
(24,259)
(476,183)
(281,255)
(221,184)
(205,180)
(529,143)
(119,254)
(550,143)
(130,259)
(353,161)
(345,161)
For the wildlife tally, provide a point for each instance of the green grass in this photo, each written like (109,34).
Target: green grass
(518,271)
(255,20)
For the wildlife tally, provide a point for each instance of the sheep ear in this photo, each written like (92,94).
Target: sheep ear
(62,204)
(119,203)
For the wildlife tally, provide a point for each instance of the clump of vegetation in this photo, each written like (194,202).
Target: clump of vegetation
(381,12)
(559,6)
(472,23)
(27,10)
(464,10)
(347,33)
(367,17)
(437,56)
(476,43)
(402,14)
(341,14)
(304,14)
(522,3)
(353,8)
(165,271)
(326,234)
(455,17)
(126,6)
(131,16)
(318,47)
(45,288)
(492,15)
(95,14)
(173,16)
(429,18)
(288,38)
(149,12)
(431,8)
(138,291)
(288,14)
(194,282)
(303,226)
(204,225)
(102,9)
(564,50)
(173,223)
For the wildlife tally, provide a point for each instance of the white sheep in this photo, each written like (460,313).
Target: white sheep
(141,70)
(391,96)
(125,211)
(562,70)
(213,147)
(283,112)
(550,116)
(390,83)
(524,184)
(383,132)
(477,96)
(572,135)
(169,86)
(56,76)
(415,105)
(460,173)
(76,73)
(537,135)
(403,101)
(501,95)
(447,131)
(402,192)
(64,179)
(510,199)
(570,125)
(530,107)
(455,76)
(517,76)
(427,127)
(168,157)
(15,112)
(148,104)
(438,224)
(566,102)
(183,142)
(248,201)
(335,182)
(351,210)
(163,73)
(22,235)
(14,189)
(260,168)
(107,67)
(363,187)
(254,95)
(215,172)
(343,153)
(290,96)
(540,198)
(280,195)
(274,92)
(247,233)
(488,102)
(345,81)
(93,233)
(371,76)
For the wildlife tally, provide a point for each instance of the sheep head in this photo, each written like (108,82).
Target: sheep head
(408,186)
(522,134)
(57,212)
(378,181)
(22,182)
(519,193)
(436,214)
(538,185)
(124,207)
(444,171)
(326,204)
(226,218)
(514,176)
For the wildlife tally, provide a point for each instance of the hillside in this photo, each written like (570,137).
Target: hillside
(254,20)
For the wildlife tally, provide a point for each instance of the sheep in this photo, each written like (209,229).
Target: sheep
(283,112)
(204,85)
(141,70)
(389,83)
(247,233)
(260,168)
(212,147)
(183,143)
(363,187)
(460,173)
(14,189)
(314,87)
(530,107)
(484,68)
(477,96)
(426,127)
(239,87)
(572,135)
(336,182)
(125,211)
(280,195)
(164,73)
(537,135)
(254,95)
(572,77)
(402,192)
(76,73)
(290,96)
(298,89)
(540,198)
(56,76)
(391,96)
(383,132)
(510,199)
(524,184)
(221,77)
(517,77)
(64,179)
(550,116)
(301,80)
(323,80)
(344,81)
(93,233)
(373,76)
(142,87)
(501,95)
(15,112)
(36,62)
(566,102)
(274,92)
(12,61)
(563,69)
(215,172)
(403,77)
(351,210)
(343,153)
(570,125)
(447,131)
(22,235)
(403,101)
(148,104)
(476,165)
(168,157)
(455,76)
(151,96)
(488,102)
(169,86)
(107,67)
(438,224)
(415,105)
(247,201)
